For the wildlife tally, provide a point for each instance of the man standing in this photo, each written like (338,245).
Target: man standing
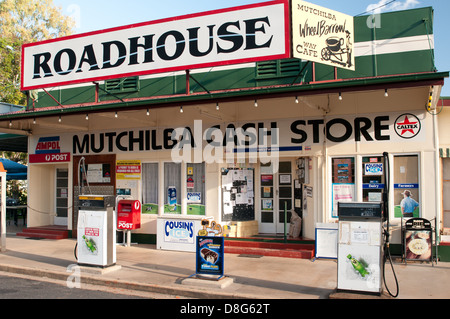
(408,204)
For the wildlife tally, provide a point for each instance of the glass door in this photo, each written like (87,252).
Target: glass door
(62,184)
(276,197)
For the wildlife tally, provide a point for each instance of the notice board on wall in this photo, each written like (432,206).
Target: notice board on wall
(238,194)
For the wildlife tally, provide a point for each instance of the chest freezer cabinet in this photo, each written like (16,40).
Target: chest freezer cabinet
(360,247)
(96,231)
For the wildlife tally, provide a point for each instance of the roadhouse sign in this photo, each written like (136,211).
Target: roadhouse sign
(248,33)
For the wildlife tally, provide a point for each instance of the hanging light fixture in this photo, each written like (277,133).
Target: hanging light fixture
(116,115)
(181,109)
(256,103)
(59,120)
(34,121)
(386,94)
(87,117)
(296,99)
(217,106)
(148,112)
(340,96)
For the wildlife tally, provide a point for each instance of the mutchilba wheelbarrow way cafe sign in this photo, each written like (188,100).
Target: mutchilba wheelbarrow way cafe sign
(249,33)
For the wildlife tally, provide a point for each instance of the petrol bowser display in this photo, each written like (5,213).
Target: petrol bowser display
(360,246)
(128,214)
(96,235)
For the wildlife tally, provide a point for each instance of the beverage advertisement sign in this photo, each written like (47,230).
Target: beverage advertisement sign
(210,255)
(322,35)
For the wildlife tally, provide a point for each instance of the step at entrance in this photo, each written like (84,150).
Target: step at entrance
(270,247)
(46,232)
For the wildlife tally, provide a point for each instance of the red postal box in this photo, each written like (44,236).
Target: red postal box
(128,214)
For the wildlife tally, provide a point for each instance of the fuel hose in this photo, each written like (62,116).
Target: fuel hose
(387,254)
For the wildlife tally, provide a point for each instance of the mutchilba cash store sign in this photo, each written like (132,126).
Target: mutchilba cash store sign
(264,136)
(243,34)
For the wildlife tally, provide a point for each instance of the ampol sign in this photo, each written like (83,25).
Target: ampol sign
(48,150)
(242,34)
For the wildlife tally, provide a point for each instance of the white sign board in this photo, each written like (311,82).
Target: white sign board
(326,240)
(248,33)
(177,232)
(322,35)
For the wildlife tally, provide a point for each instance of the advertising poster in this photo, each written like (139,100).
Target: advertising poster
(342,193)
(209,255)
(418,245)
(373,169)
(172,205)
(128,169)
(322,35)
(359,268)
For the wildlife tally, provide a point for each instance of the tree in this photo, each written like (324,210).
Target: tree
(25,21)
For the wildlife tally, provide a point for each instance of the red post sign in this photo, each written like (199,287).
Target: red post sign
(128,214)
(49,158)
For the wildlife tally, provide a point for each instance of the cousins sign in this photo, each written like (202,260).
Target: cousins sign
(242,34)
(322,35)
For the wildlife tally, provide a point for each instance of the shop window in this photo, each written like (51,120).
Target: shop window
(150,187)
(195,184)
(343,182)
(124,85)
(172,187)
(406,186)
(373,178)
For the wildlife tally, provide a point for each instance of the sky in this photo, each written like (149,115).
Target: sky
(92,15)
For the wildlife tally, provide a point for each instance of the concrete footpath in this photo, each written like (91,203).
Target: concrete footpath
(145,268)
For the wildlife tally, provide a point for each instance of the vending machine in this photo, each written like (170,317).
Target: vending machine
(96,242)
(360,247)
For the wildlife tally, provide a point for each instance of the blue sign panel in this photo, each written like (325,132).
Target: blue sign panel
(373,186)
(402,186)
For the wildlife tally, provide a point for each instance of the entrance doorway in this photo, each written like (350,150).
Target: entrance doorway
(277,196)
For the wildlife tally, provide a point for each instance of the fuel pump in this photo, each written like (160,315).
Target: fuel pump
(96,243)
(387,253)
(363,246)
